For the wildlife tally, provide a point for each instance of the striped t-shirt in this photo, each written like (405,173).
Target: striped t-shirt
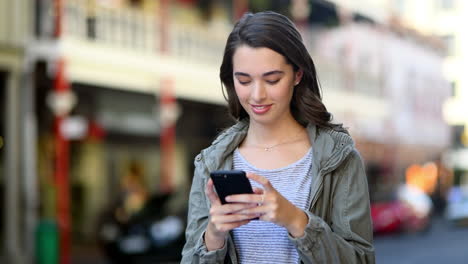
(265,242)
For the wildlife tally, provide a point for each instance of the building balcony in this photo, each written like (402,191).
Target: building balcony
(121,48)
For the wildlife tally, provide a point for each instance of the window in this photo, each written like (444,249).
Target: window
(446,4)
(449,43)
(453,88)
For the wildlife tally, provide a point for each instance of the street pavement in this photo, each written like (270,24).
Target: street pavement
(443,243)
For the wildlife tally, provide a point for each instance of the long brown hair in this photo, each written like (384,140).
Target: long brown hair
(276,32)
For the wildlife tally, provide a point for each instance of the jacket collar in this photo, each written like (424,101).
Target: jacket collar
(330,147)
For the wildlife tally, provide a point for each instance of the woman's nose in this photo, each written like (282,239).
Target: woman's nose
(258,92)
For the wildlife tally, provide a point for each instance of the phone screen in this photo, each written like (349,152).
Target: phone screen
(230,182)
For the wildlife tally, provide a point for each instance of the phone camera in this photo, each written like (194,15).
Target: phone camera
(225,176)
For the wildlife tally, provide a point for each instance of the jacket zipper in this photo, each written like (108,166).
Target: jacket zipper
(320,176)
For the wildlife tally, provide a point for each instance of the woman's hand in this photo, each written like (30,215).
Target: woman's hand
(223,218)
(273,207)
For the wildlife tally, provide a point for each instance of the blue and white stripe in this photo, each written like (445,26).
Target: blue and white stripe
(265,242)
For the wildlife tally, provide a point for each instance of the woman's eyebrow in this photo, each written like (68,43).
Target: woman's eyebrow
(241,74)
(272,72)
(265,74)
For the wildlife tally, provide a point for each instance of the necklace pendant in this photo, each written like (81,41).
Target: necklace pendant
(267,149)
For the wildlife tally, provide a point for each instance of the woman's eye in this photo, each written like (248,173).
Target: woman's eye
(244,82)
(273,81)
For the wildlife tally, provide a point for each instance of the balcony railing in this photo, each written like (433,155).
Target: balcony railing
(139,31)
(124,28)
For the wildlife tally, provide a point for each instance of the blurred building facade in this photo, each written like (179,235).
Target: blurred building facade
(445,18)
(400,66)
(119,57)
(114,58)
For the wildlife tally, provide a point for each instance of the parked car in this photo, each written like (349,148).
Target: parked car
(153,235)
(388,216)
(407,210)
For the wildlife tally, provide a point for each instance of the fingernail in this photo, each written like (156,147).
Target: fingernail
(228,198)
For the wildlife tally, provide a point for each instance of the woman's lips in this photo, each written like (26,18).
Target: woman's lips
(260,109)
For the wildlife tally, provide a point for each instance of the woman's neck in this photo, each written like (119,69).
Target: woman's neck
(267,135)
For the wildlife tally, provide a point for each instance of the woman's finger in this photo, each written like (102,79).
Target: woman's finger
(258,190)
(231,218)
(230,226)
(262,180)
(246,198)
(231,208)
(260,209)
(209,190)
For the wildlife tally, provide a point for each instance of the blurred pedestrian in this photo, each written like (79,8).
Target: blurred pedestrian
(133,192)
(443,185)
(311,194)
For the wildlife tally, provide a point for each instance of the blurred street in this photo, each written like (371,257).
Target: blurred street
(105,104)
(443,243)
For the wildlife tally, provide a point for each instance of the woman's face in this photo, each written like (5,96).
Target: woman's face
(264,83)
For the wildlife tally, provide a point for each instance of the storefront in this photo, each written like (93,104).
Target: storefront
(115,134)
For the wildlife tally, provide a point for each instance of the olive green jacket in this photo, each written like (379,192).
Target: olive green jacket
(339,228)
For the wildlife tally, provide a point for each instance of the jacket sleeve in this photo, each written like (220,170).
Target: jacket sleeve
(348,238)
(194,250)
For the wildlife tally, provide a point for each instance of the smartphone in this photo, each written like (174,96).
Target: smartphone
(229,182)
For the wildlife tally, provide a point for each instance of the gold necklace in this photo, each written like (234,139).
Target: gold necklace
(296,138)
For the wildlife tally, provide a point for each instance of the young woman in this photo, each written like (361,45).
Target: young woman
(311,193)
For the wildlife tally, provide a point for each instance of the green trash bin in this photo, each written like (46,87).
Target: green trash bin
(47,242)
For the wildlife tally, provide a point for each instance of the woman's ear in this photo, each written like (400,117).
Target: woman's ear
(298,77)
